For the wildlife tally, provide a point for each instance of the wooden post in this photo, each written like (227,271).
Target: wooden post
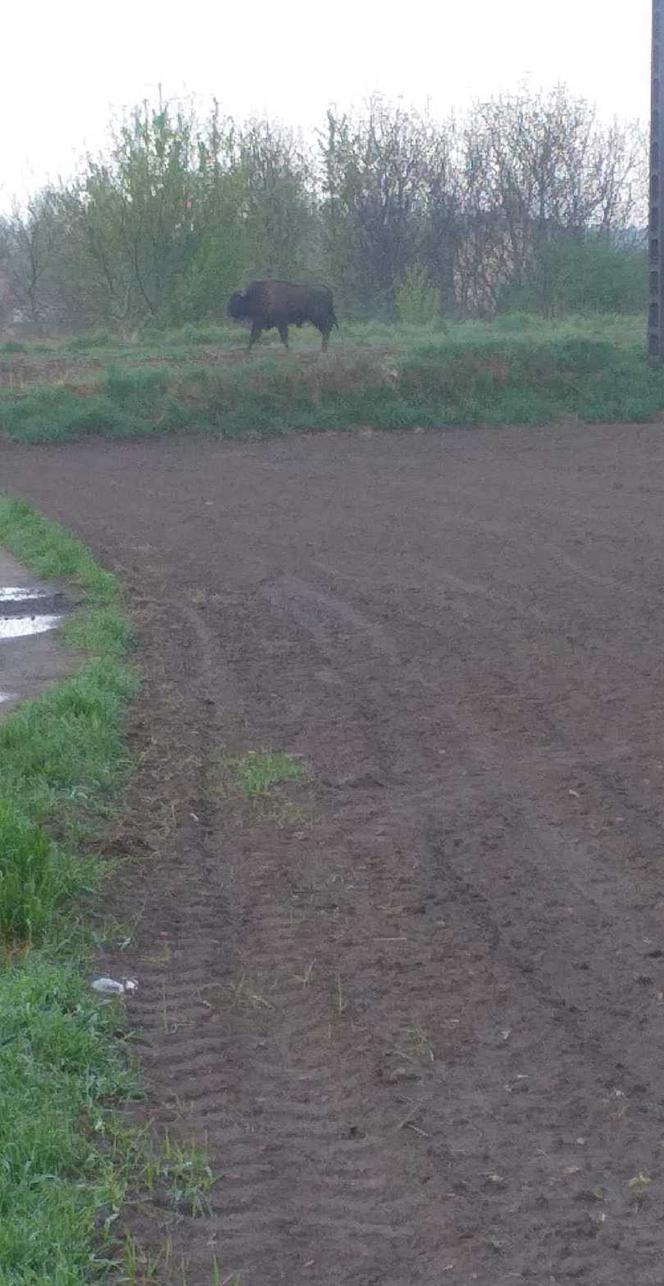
(656,221)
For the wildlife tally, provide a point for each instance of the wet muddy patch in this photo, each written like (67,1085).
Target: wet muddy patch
(26,610)
(31,655)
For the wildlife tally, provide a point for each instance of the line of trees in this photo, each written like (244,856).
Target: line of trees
(528,202)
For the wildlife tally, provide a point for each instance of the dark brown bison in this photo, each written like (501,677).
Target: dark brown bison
(282,304)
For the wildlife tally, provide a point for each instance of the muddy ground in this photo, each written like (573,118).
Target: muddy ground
(31,658)
(414,1002)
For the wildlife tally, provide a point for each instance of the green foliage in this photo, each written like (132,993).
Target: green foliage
(596,276)
(588,274)
(214,271)
(387,205)
(416,301)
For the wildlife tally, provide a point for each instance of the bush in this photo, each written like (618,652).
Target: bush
(416,300)
(590,275)
(204,288)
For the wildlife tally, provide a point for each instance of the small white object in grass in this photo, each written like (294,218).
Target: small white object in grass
(109,986)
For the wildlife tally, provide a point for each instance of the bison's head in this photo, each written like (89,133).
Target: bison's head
(237,305)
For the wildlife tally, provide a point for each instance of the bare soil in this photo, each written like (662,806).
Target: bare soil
(415,1002)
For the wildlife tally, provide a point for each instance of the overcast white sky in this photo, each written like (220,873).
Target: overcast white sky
(67,64)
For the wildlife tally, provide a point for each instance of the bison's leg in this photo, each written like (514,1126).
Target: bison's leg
(255,334)
(326,339)
(283,334)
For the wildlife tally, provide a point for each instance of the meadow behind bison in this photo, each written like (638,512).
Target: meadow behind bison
(503,371)
(280,304)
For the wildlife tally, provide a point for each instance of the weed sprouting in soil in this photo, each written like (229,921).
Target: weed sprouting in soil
(257,771)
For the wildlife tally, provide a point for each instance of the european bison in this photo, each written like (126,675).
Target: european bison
(282,304)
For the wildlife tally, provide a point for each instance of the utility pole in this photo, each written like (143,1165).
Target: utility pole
(656,222)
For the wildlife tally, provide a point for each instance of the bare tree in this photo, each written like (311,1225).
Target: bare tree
(374,190)
(548,170)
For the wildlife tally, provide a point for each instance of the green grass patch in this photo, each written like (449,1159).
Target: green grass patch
(257,771)
(60,1068)
(38,879)
(63,1074)
(515,369)
(62,756)
(51,413)
(52,552)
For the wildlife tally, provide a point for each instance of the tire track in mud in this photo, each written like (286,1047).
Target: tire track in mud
(422,1025)
(558,968)
(315,1178)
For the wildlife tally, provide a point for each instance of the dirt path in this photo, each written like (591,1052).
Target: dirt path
(417,1004)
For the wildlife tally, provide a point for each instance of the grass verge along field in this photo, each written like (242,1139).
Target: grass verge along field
(63,1071)
(513,370)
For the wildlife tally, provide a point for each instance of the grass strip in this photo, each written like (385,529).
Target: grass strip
(468,374)
(63,1073)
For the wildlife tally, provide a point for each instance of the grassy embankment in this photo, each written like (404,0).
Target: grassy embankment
(69,1156)
(514,370)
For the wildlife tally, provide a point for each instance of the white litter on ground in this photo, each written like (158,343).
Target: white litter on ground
(109,986)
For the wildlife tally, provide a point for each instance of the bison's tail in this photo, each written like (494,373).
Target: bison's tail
(334,319)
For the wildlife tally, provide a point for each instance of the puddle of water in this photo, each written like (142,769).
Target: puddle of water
(15,593)
(16,627)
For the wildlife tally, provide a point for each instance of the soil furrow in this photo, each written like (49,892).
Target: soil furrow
(413,1001)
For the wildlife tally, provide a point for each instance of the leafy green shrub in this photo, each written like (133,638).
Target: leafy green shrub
(587,275)
(416,300)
